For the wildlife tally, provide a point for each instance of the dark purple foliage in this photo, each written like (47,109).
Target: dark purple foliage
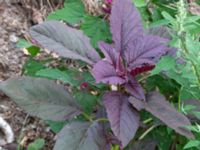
(123,118)
(133,51)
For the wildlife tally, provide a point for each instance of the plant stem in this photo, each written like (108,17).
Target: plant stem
(102,120)
(147,120)
(87,117)
(179,102)
(115,147)
(146,132)
(193,64)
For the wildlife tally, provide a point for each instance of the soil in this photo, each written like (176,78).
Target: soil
(14,23)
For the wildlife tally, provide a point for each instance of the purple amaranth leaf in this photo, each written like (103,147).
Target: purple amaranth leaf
(64,40)
(109,52)
(41,97)
(104,72)
(123,118)
(145,144)
(126,25)
(158,106)
(145,51)
(135,89)
(82,136)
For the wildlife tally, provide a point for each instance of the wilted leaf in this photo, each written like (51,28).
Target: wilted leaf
(41,98)
(123,118)
(157,105)
(81,136)
(64,40)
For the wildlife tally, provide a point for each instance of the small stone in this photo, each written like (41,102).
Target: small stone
(13,38)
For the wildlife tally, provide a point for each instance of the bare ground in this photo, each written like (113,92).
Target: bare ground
(13,24)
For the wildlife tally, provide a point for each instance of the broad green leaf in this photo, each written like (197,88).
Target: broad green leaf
(96,28)
(55,74)
(86,100)
(33,50)
(64,40)
(72,12)
(41,98)
(158,106)
(166,63)
(31,67)
(81,136)
(73,77)
(189,93)
(192,144)
(38,144)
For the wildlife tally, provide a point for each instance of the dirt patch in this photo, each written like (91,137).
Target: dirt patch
(14,22)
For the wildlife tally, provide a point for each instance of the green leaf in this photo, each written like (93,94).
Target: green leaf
(139,3)
(166,63)
(31,67)
(73,77)
(38,144)
(22,43)
(42,98)
(172,20)
(56,74)
(56,126)
(72,12)
(32,49)
(96,28)
(86,100)
(191,144)
(81,136)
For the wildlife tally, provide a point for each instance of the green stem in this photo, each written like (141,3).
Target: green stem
(115,147)
(179,102)
(147,120)
(87,117)
(102,120)
(146,132)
